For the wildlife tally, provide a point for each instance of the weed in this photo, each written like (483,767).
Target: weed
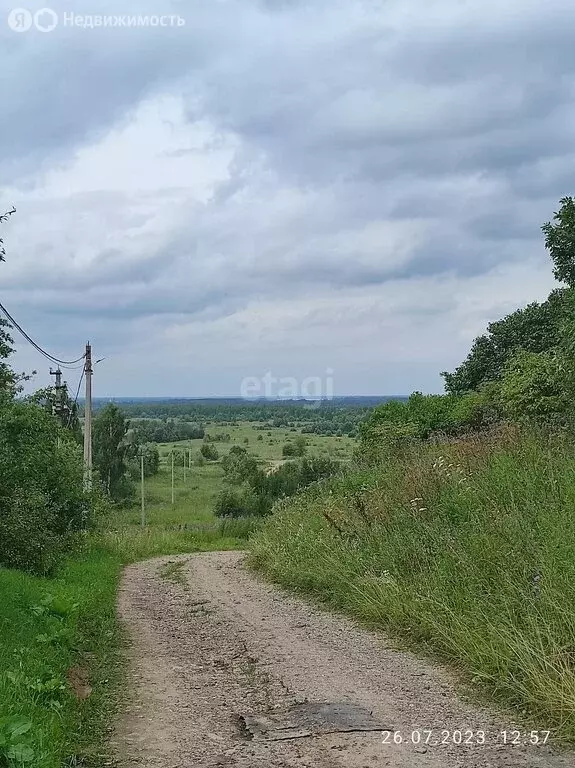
(464,548)
(174,571)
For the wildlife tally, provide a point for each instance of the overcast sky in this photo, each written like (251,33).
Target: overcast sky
(292,186)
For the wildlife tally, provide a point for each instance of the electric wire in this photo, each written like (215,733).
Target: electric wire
(65,363)
(73,409)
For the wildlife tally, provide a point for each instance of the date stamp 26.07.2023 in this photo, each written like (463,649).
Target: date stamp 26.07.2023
(465,737)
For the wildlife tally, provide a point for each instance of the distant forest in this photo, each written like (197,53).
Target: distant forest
(334,417)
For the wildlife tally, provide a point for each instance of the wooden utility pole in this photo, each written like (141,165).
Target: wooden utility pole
(142,490)
(88,420)
(172,476)
(185,458)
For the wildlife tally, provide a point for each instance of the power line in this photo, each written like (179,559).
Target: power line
(73,409)
(37,346)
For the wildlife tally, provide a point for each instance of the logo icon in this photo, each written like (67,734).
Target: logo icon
(45,20)
(20,20)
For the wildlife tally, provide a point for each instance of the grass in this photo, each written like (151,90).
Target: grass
(59,637)
(54,632)
(269,448)
(173,571)
(466,550)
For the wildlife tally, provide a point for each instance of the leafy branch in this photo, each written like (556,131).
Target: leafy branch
(4,218)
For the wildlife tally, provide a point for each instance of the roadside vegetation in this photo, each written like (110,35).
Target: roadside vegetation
(62,549)
(455,527)
(446,519)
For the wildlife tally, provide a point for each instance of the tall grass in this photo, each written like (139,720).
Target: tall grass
(468,549)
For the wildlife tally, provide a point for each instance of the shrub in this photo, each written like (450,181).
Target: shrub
(42,503)
(209,452)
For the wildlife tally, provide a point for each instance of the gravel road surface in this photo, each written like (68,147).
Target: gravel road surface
(227,670)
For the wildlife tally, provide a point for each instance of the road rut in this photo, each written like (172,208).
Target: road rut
(211,644)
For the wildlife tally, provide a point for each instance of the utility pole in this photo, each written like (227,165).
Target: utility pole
(88,420)
(142,490)
(185,458)
(172,477)
(57,401)
(60,407)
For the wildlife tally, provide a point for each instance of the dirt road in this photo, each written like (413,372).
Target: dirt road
(226,670)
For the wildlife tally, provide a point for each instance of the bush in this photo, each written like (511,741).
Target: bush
(209,452)
(230,503)
(259,491)
(42,503)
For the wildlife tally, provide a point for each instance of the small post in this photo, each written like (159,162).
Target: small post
(185,458)
(189,458)
(142,490)
(172,477)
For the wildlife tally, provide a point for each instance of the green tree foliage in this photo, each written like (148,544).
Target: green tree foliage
(419,416)
(7,375)
(171,431)
(257,492)
(396,425)
(325,418)
(62,403)
(560,241)
(110,451)
(534,329)
(209,452)
(42,503)
(301,445)
(532,388)
(151,460)
(10,381)
(238,465)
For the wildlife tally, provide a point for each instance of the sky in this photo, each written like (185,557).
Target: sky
(344,190)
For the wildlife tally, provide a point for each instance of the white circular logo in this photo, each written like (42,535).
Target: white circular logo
(20,20)
(45,20)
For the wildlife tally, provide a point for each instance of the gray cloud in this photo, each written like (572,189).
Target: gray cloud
(322,153)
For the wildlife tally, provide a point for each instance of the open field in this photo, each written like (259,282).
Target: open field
(269,447)
(196,487)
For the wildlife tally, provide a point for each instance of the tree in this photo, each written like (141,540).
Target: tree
(42,503)
(209,452)
(560,241)
(536,328)
(3,218)
(532,388)
(288,450)
(10,381)
(238,466)
(300,445)
(151,456)
(110,450)
(47,398)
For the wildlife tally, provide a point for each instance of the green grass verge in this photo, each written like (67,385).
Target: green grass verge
(57,636)
(467,550)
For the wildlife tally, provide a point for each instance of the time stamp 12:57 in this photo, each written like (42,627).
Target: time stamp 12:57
(465,737)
